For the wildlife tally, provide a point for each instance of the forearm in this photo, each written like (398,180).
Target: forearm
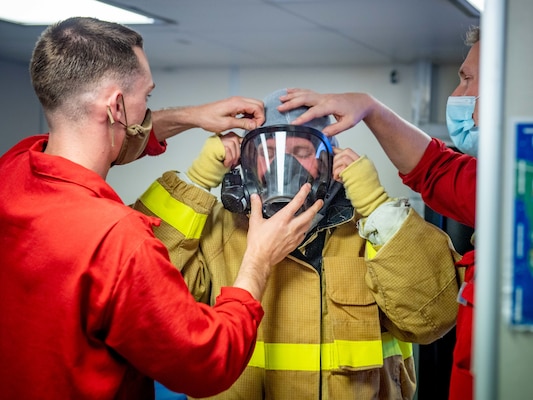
(270,240)
(233,113)
(403,142)
(169,122)
(253,276)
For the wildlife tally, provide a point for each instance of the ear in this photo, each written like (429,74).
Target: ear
(115,107)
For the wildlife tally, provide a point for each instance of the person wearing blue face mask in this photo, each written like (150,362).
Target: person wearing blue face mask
(461,125)
(445,178)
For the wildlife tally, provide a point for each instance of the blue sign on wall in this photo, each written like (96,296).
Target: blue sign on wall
(522,273)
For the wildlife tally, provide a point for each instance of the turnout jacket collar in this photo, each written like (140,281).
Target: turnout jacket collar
(338,212)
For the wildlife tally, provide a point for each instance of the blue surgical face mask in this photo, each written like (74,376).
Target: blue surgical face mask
(460,122)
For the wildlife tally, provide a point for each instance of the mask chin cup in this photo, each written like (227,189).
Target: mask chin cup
(235,196)
(318,191)
(272,206)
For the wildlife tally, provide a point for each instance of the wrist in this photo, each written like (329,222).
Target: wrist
(253,275)
(373,109)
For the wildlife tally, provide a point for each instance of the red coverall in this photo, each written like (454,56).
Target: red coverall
(447,182)
(90,305)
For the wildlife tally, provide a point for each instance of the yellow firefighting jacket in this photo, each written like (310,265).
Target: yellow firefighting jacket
(339,332)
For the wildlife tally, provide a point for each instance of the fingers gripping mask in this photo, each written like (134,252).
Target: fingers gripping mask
(278,158)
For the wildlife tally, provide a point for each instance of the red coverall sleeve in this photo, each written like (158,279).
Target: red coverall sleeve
(447,182)
(156,324)
(153,147)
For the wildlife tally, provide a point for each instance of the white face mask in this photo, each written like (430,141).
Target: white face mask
(460,122)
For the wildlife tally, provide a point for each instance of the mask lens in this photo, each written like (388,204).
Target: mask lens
(278,161)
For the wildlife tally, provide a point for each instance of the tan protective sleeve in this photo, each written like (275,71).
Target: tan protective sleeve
(414,280)
(208,170)
(363,187)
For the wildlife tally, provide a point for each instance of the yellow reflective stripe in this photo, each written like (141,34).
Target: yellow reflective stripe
(174,212)
(341,353)
(370,250)
(354,354)
(285,356)
(258,356)
(395,347)
(308,357)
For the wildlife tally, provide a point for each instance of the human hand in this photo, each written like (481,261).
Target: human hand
(270,240)
(220,116)
(232,113)
(232,149)
(278,235)
(342,158)
(347,108)
(218,155)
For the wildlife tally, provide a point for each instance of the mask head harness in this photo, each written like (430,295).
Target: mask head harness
(276,161)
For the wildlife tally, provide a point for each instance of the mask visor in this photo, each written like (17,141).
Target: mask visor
(278,160)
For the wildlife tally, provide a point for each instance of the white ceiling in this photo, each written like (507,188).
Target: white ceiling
(278,33)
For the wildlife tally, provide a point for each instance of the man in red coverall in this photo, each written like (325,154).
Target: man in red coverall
(446,179)
(91,306)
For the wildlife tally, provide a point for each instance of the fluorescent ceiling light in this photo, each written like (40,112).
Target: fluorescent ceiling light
(479,4)
(46,12)
(472,8)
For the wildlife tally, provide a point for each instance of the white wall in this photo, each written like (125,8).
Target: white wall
(21,113)
(19,108)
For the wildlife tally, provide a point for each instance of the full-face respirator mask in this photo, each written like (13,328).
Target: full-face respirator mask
(277,159)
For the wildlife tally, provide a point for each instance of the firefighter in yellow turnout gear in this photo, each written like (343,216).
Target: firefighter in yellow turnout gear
(342,310)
